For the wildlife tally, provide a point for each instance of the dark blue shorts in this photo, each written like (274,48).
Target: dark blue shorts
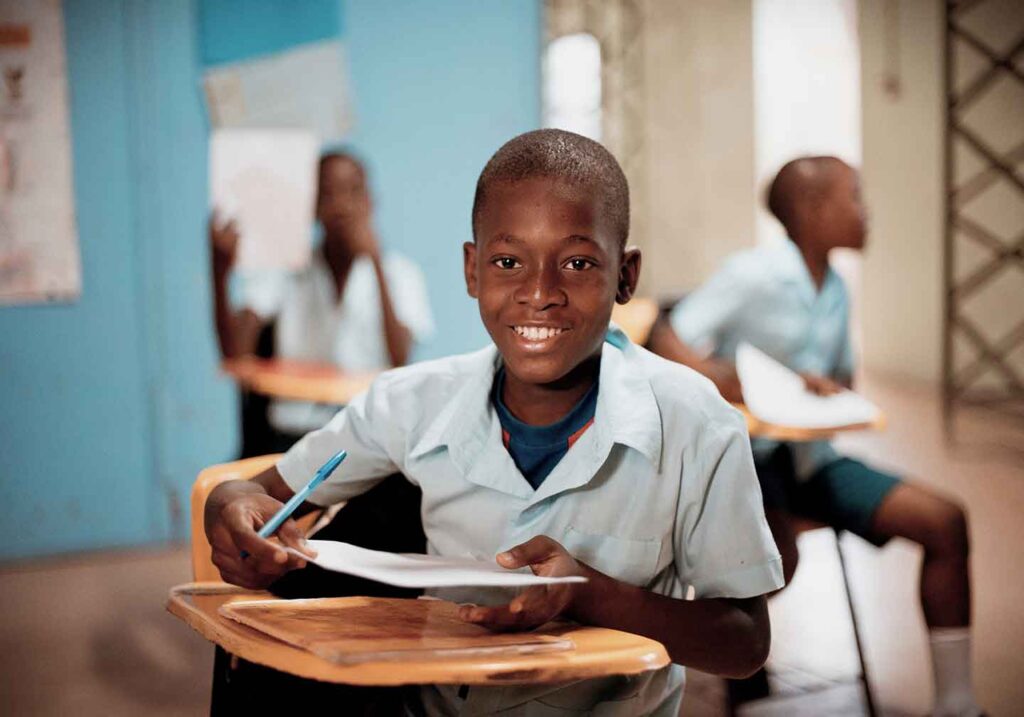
(844,493)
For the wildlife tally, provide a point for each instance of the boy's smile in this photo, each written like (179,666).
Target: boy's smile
(546,271)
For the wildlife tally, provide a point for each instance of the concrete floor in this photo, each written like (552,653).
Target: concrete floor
(89,635)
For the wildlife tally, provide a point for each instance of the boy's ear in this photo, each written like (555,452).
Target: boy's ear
(469,267)
(629,275)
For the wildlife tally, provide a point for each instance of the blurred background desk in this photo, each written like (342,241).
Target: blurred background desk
(297,380)
(762,429)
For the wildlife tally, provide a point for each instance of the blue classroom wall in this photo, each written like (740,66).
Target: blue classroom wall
(231,30)
(110,405)
(438,87)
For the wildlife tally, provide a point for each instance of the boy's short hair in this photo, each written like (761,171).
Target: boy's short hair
(343,155)
(800,179)
(566,156)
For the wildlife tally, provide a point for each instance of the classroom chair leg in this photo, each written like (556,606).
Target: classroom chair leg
(868,697)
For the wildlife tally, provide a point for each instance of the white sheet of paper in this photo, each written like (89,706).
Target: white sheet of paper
(265,180)
(422,571)
(775,394)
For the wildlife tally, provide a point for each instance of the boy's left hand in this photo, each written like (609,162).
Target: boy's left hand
(536,605)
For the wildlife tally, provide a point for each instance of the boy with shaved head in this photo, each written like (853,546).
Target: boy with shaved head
(560,447)
(788,302)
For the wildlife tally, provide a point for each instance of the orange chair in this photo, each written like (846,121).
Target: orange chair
(636,319)
(203,569)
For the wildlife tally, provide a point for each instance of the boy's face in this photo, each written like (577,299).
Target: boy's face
(546,272)
(342,196)
(841,216)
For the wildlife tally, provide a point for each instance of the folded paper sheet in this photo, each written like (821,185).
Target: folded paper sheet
(422,571)
(775,394)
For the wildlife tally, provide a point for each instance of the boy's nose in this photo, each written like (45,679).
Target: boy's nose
(542,289)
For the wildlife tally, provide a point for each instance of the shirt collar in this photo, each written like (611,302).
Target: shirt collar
(627,413)
(792,268)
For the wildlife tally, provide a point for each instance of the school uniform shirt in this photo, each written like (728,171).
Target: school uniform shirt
(659,492)
(766,297)
(314,325)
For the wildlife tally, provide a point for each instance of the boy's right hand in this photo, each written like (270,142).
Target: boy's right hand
(234,530)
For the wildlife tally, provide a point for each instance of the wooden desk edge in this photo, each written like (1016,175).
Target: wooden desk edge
(638,655)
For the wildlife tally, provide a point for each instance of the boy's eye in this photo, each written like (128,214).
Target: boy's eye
(506,262)
(579,264)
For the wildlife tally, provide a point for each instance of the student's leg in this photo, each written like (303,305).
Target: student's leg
(939,526)
(878,506)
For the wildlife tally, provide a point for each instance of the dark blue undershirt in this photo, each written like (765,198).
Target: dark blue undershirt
(536,450)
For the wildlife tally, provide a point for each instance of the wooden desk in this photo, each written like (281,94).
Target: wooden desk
(297,380)
(598,652)
(761,429)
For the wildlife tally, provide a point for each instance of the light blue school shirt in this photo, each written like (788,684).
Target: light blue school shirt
(766,297)
(659,492)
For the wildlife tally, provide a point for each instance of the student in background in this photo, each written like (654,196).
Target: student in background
(788,302)
(354,306)
(561,447)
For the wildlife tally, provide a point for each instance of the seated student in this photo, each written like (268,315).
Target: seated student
(788,302)
(353,306)
(561,447)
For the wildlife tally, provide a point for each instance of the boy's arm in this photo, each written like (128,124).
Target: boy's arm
(237,332)
(666,343)
(723,636)
(236,510)
(397,336)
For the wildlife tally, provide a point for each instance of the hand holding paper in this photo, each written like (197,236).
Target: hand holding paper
(777,395)
(539,604)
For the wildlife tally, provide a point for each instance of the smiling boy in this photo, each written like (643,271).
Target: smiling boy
(562,447)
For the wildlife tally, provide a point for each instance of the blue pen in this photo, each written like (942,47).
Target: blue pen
(271,526)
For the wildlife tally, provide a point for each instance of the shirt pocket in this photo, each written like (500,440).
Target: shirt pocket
(631,560)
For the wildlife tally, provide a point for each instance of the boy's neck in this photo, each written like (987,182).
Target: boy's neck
(816,260)
(544,404)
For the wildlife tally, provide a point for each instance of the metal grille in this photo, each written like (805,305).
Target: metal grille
(983,353)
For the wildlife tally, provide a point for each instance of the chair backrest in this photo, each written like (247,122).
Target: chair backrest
(203,569)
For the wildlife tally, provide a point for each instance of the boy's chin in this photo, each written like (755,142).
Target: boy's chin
(537,371)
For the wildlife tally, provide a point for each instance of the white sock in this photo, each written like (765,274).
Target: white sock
(951,665)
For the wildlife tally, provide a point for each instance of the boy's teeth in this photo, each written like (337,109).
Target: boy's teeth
(537,333)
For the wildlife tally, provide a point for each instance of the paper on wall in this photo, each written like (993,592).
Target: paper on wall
(39,255)
(422,571)
(302,88)
(265,180)
(775,394)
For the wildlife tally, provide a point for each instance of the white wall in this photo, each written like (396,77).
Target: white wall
(700,140)
(902,174)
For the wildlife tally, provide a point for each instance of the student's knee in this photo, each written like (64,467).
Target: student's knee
(947,531)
